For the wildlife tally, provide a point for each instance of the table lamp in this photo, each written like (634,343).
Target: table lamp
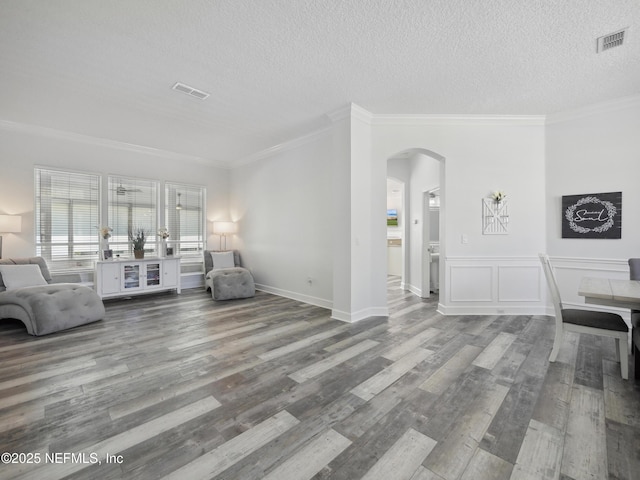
(9,224)
(223,229)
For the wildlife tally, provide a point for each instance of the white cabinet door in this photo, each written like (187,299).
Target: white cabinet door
(109,278)
(171,272)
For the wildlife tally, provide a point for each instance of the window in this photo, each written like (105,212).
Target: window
(67,218)
(133,204)
(185,219)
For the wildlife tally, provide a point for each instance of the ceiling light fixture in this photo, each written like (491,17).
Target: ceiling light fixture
(179,205)
(194,92)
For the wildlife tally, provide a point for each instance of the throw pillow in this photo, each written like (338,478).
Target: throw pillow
(18,276)
(222,260)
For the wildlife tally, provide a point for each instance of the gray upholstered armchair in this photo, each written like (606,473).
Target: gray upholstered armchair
(225,276)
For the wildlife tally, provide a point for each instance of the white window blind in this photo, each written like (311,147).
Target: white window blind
(67,218)
(133,204)
(185,219)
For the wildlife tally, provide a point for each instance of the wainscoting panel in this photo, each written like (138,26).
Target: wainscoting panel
(470,283)
(494,286)
(518,283)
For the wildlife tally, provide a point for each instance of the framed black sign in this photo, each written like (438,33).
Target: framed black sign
(593,215)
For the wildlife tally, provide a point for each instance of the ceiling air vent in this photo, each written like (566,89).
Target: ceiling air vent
(611,40)
(194,92)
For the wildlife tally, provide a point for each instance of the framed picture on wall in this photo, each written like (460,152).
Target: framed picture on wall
(592,215)
(392,217)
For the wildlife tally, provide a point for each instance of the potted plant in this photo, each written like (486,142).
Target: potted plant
(138,237)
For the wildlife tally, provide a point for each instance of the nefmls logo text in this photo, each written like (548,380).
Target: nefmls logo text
(69,457)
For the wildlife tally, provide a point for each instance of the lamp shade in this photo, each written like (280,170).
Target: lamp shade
(223,228)
(10,223)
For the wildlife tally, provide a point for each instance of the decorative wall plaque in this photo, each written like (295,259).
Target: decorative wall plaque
(592,215)
(495,217)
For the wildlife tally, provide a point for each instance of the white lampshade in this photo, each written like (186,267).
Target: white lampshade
(224,228)
(10,223)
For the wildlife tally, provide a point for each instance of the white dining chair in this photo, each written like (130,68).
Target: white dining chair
(593,322)
(634,274)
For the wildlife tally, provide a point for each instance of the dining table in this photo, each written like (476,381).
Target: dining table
(610,292)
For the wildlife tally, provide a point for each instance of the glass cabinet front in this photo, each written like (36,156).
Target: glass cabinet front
(131,276)
(153,274)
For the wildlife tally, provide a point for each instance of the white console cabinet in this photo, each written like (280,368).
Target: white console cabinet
(116,278)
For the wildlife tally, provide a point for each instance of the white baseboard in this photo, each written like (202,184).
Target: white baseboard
(319,302)
(493,310)
(360,315)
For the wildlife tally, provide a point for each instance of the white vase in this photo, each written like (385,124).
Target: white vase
(104,245)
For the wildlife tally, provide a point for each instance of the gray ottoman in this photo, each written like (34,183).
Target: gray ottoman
(230,283)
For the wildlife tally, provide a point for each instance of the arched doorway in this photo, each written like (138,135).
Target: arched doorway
(422,172)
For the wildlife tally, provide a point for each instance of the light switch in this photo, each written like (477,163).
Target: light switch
(464,239)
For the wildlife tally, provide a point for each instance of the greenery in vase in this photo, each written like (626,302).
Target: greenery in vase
(138,237)
(498,196)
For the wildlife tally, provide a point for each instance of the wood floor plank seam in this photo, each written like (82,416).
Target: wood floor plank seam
(212,463)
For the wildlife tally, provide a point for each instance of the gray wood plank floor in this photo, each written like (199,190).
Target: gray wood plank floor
(179,386)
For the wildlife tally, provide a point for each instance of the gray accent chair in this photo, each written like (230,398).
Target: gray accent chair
(634,274)
(49,308)
(228,283)
(593,322)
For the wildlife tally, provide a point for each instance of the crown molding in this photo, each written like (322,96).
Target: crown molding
(361,114)
(356,112)
(595,109)
(350,111)
(283,147)
(339,114)
(474,120)
(39,131)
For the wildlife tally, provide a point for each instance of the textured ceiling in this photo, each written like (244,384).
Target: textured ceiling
(274,68)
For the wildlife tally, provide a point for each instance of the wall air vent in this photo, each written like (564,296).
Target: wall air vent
(611,40)
(194,92)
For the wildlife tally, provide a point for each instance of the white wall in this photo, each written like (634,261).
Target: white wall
(283,203)
(368,226)
(490,273)
(293,200)
(593,150)
(22,147)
